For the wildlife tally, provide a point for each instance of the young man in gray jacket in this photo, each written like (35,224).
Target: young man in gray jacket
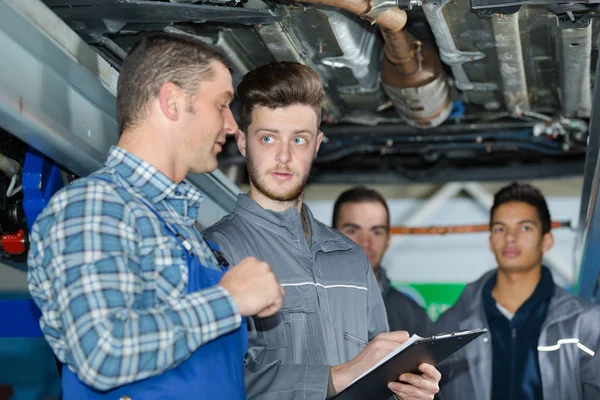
(542,341)
(363,215)
(316,346)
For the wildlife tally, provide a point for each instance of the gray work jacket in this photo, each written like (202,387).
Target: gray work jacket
(330,289)
(404,314)
(567,370)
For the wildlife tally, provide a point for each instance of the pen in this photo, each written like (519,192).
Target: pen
(359,340)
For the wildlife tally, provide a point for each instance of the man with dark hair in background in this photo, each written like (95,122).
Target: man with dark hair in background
(363,215)
(134,303)
(542,340)
(317,344)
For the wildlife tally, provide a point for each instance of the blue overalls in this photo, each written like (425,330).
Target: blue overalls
(214,371)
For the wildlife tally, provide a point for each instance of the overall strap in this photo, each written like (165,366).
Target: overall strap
(221,261)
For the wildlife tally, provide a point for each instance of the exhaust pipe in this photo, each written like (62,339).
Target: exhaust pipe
(389,17)
(411,72)
(414,80)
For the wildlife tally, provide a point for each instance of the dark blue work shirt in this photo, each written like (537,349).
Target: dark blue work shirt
(515,367)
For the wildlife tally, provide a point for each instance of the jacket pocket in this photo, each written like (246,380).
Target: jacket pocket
(276,331)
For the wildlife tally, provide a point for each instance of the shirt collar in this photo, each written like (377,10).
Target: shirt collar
(543,292)
(150,182)
(285,223)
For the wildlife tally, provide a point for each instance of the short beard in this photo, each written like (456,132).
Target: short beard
(256,181)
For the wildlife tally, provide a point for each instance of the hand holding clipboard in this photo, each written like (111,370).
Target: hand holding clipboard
(372,384)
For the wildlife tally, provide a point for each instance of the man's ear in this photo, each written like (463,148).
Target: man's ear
(171,100)
(319,140)
(240,139)
(547,241)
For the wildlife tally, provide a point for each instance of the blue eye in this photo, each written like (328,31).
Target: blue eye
(268,139)
(299,140)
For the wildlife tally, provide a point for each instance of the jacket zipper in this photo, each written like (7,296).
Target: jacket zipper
(513,342)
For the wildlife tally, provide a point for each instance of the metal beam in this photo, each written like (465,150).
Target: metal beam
(587,250)
(356,173)
(433,204)
(505,128)
(58,96)
(148,12)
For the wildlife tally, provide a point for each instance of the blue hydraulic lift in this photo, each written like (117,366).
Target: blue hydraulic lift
(58,96)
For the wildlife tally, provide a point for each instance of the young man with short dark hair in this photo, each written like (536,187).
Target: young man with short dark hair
(542,340)
(316,346)
(363,215)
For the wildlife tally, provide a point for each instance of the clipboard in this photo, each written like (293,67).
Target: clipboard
(372,384)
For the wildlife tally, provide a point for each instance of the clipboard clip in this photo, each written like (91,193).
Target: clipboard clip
(459,333)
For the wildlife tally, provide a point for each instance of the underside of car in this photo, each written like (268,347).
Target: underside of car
(454,90)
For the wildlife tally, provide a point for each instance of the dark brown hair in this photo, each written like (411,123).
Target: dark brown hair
(156,60)
(523,192)
(359,194)
(277,85)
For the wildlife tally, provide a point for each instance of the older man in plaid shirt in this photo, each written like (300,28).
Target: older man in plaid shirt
(133,300)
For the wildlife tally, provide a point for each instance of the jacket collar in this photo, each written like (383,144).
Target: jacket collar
(561,302)
(563,305)
(384,283)
(288,224)
(542,293)
(471,297)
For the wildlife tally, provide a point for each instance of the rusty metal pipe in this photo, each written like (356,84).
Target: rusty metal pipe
(411,72)
(414,80)
(443,230)
(399,49)
(393,19)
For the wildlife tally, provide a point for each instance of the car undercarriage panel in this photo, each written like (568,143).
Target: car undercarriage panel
(511,97)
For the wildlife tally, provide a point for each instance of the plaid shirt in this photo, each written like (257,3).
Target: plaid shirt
(111,282)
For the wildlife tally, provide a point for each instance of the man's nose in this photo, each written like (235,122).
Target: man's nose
(283,153)
(511,235)
(364,241)
(230,125)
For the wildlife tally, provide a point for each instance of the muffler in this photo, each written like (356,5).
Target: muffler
(411,72)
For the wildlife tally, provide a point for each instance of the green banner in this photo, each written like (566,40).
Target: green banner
(434,297)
